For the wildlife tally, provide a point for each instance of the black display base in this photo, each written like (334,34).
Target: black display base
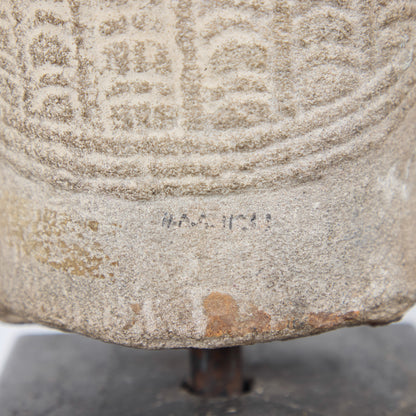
(349,372)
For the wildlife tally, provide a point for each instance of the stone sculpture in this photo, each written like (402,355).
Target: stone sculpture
(190,173)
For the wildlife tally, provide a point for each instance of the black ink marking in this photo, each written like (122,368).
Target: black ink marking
(253,220)
(241,217)
(167,220)
(244,222)
(184,218)
(268,221)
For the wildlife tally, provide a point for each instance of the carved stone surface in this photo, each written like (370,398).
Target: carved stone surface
(207,173)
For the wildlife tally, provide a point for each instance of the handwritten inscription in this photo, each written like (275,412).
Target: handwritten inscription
(244,222)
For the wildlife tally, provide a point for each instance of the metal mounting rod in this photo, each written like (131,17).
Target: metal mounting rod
(216,372)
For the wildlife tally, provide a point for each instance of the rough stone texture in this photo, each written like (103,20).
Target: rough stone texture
(207,173)
(355,371)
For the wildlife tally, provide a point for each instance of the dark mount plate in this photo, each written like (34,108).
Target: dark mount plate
(354,371)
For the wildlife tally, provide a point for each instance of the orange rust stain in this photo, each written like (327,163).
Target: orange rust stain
(220,304)
(224,317)
(222,312)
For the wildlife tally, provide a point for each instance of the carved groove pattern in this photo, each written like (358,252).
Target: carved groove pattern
(178,97)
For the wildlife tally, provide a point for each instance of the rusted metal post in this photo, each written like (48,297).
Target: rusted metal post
(216,372)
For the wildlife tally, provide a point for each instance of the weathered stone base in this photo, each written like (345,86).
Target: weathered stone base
(219,270)
(197,173)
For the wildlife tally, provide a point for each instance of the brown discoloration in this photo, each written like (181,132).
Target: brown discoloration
(136,308)
(8,316)
(257,322)
(93,225)
(326,321)
(129,324)
(282,325)
(53,238)
(224,317)
(319,322)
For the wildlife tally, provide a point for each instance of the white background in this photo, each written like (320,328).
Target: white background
(9,333)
